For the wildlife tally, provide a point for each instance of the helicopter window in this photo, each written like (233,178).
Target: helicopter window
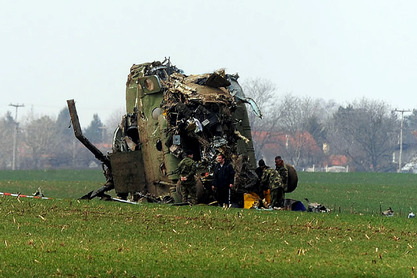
(133,133)
(156,112)
(149,84)
(159,145)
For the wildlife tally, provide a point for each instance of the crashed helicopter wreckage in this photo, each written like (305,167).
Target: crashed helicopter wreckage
(167,114)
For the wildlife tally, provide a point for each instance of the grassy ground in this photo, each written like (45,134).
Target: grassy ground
(364,193)
(359,192)
(69,238)
(105,239)
(54,183)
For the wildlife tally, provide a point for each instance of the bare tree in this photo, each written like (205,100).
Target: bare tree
(302,122)
(263,92)
(39,139)
(112,122)
(410,137)
(366,132)
(292,127)
(7,129)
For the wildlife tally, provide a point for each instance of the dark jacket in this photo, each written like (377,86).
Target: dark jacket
(223,175)
(260,170)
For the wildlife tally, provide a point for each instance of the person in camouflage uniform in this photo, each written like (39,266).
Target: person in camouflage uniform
(187,170)
(271,179)
(282,170)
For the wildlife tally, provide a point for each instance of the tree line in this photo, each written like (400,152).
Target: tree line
(363,135)
(45,142)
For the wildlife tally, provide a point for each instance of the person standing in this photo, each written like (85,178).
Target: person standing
(187,170)
(261,167)
(263,191)
(282,170)
(271,179)
(224,175)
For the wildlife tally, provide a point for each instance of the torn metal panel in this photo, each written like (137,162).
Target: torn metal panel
(128,172)
(168,113)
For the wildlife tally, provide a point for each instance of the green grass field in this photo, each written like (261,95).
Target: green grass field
(360,192)
(363,193)
(64,237)
(54,183)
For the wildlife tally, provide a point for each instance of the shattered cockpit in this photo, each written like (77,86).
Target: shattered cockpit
(168,113)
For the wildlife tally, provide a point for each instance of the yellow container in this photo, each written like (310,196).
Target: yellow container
(249,200)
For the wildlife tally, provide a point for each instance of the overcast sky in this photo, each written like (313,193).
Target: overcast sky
(52,51)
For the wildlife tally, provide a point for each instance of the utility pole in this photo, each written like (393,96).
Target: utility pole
(15,133)
(401,137)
